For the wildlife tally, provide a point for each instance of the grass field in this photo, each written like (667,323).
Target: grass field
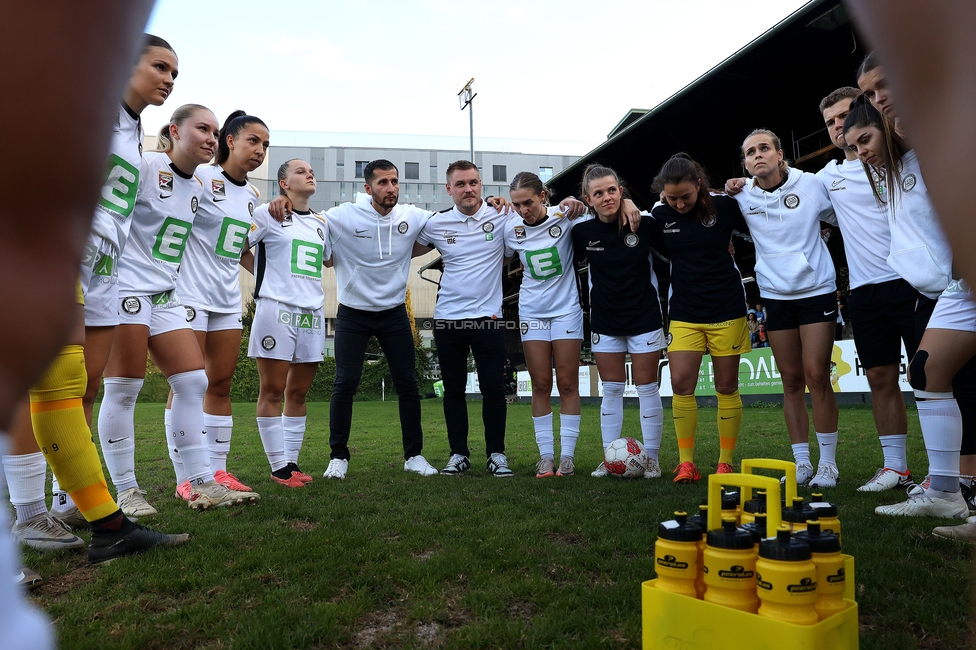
(387,559)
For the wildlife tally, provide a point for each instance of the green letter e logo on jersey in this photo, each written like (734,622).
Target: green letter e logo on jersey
(121,184)
(171,240)
(306,258)
(230,242)
(544,264)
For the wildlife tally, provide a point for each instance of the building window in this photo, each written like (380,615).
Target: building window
(411,171)
(545,173)
(498,174)
(360,167)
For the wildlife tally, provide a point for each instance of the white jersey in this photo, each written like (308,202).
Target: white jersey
(209,277)
(118,197)
(545,250)
(288,257)
(920,252)
(159,227)
(792,261)
(371,253)
(863,222)
(472,250)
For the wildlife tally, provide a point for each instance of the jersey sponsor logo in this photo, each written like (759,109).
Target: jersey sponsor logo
(132,305)
(300,320)
(403,227)
(217,188)
(450,237)
(191,314)
(104,265)
(489,236)
(230,241)
(631,240)
(908,182)
(162,298)
(165,182)
(520,233)
(488,227)
(120,188)
(171,240)
(268,343)
(194,204)
(791,201)
(89,255)
(595,338)
(544,264)
(306,259)
(555,231)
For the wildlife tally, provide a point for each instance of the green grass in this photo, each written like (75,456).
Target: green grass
(392,560)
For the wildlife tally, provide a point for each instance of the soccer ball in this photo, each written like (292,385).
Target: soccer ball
(626,457)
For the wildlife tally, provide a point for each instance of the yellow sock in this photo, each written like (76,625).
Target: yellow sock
(729,421)
(63,434)
(684,409)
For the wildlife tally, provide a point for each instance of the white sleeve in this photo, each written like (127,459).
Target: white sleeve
(260,222)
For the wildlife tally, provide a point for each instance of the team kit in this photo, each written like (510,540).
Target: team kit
(174,227)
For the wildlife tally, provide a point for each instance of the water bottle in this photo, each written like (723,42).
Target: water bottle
(756,504)
(831,581)
(826,515)
(676,555)
(798,514)
(786,579)
(730,567)
(757,528)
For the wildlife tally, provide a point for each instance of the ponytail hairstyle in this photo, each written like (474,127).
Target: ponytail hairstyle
(596,171)
(862,115)
(283,174)
(164,141)
(233,125)
(869,63)
(531,182)
(683,168)
(149,40)
(783,164)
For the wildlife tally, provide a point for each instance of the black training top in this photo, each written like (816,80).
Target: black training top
(623,289)
(706,286)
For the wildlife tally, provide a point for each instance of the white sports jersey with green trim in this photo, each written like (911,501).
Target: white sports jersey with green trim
(288,257)
(546,252)
(209,277)
(118,197)
(159,227)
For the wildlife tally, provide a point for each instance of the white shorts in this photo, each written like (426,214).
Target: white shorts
(955,310)
(640,344)
(161,312)
(569,326)
(280,331)
(204,320)
(100,282)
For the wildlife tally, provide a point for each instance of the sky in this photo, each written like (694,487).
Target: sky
(545,72)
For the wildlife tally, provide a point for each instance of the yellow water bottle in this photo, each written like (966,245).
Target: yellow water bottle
(798,514)
(786,579)
(756,504)
(701,520)
(676,555)
(831,581)
(730,567)
(826,515)
(757,528)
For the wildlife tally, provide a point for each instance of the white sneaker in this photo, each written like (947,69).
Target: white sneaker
(827,476)
(566,467)
(928,506)
(45,533)
(214,495)
(653,469)
(497,464)
(887,479)
(804,472)
(338,467)
(133,504)
(919,489)
(962,533)
(416,464)
(601,470)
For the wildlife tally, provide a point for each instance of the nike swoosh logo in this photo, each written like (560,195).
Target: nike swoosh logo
(650,342)
(606,413)
(217,200)
(828,313)
(221,441)
(570,331)
(836,183)
(112,442)
(593,243)
(736,347)
(164,196)
(648,417)
(725,418)
(753,207)
(359,232)
(668,225)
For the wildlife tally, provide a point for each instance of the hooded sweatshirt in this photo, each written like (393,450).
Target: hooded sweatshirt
(371,253)
(792,261)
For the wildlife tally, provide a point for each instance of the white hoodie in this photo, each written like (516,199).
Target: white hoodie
(792,260)
(371,253)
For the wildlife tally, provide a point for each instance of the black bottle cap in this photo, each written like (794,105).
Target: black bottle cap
(784,548)
(730,536)
(679,529)
(819,541)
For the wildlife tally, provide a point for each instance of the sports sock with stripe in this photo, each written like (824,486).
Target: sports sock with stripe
(941,424)
(729,423)
(684,410)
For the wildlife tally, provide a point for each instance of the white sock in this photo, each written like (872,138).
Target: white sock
(116,430)
(186,430)
(25,480)
(174,454)
(544,436)
(652,417)
(893,448)
(828,448)
(294,434)
(612,411)
(219,429)
(941,424)
(273,439)
(801,453)
(569,426)
(62,501)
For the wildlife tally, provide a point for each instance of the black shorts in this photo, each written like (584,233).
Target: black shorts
(790,314)
(883,317)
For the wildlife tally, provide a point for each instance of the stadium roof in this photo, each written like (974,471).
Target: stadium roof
(775,82)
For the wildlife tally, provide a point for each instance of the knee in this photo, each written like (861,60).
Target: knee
(189,384)
(220,387)
(726,387)
(568,387)
(543,387)
(818,378)
(296,395)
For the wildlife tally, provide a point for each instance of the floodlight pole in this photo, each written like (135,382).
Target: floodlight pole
(466,99)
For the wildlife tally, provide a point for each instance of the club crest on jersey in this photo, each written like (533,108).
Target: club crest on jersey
(321,234)
(710,221)
(555,231)
(131,305)
(631,240)
(193,204)
(908,182)
(524,328)
(670,338)
(165,181)
(403,228)
(791,201)
(519,233)
(595,338)
(268,343)
(250,208)
(217,187)
(488,227)
(191,313)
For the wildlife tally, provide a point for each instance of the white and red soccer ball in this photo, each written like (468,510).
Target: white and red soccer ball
(626,457)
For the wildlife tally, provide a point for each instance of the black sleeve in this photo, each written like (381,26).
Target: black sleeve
(731,207)
(579,249)
(657,235)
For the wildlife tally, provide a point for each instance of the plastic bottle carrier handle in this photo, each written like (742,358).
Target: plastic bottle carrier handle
(785,466)
(774,516)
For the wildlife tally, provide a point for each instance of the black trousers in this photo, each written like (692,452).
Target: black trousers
(392,329)
(485,338)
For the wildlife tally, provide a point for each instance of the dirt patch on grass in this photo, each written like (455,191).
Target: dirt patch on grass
(522,610)
(569,539)
(376,629)
(57,586)
(424,555)
(303,525)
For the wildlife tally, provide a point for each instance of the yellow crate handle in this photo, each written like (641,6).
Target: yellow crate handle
(774,516)
(785,466)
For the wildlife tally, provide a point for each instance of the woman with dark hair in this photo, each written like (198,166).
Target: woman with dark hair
(209,285)
(625,310)
(706,305)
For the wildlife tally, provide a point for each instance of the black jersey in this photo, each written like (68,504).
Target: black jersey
(706,286)
(623,288)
